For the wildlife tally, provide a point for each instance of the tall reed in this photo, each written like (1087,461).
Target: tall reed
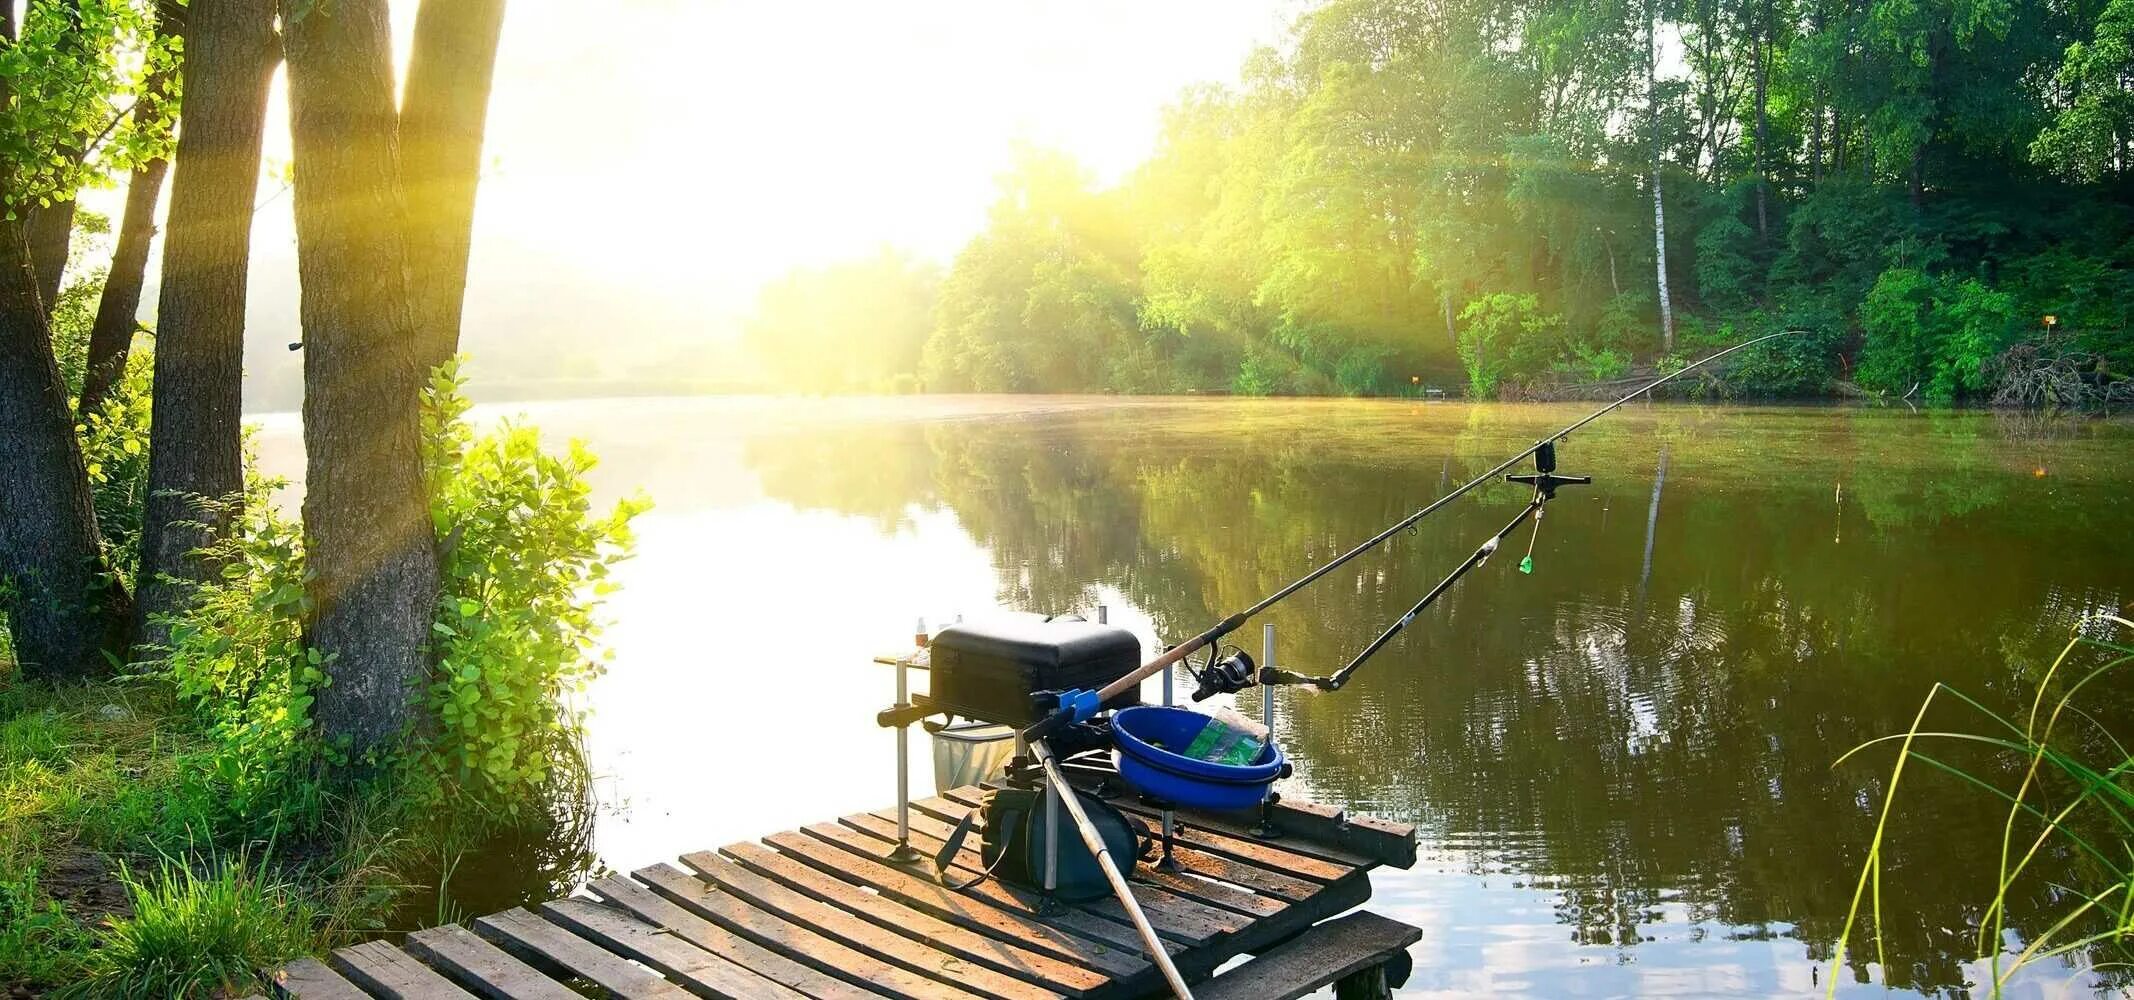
(2081,804)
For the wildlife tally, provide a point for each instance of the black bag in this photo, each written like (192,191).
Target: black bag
(1012,842)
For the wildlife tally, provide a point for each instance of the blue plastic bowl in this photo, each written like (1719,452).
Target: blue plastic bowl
(1181,780)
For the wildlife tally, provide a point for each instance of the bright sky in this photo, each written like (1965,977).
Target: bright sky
(651,163)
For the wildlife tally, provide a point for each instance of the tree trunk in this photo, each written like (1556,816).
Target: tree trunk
(441,125)
(1452,331)
(1817,111)
(1659,211)
(118,310)
(64,611)
(195,447)
(1762,49)
(51,233)
(368,542)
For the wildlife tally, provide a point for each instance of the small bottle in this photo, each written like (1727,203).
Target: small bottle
(918,635)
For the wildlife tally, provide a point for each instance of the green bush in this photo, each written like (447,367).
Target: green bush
(1503,335)
(1937,333)
(525,561)
(1361,371)
(237,655)
(114,442)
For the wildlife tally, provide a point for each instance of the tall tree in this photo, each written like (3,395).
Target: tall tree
(50,226)
(64,610)
(111,335)
(367,534)
(196,436)
(441,124)
(1659,209)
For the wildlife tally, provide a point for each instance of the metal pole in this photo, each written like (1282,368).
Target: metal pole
(1052,829)
(903,850)
(1267,830)
(1170,815)
(1267,691)
(1095,843)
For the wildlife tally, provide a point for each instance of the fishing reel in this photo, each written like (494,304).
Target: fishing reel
(1229,675)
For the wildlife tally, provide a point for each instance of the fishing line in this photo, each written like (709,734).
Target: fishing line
(1073,706)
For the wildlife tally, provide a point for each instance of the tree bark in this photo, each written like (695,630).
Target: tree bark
(51,233)
(1762,48)
(367,536)
(1659,211)
(64,611)
(118,309)
(196,436)
(441,124)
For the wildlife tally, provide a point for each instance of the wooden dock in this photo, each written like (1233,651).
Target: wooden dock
(822,912)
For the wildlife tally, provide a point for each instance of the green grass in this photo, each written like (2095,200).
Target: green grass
(195,934)
(2069,801)
(110,777)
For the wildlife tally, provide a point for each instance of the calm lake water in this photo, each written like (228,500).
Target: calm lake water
(1620,766)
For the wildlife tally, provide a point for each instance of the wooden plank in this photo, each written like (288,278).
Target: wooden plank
(792,940)
(310,979)
(1197,862)
(1319,956)
(1260,853)
(846,853)
(548,946)
(1175,916)
(1190,880)
(481,969)
(866,836)
(1317,829)
(699,971)
(388,972)
(657,909)
(1001,954)
(478,966)
(926,958)
(1320,830)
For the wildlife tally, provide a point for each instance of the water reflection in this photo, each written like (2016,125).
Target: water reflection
(1643,729)
(1621,764)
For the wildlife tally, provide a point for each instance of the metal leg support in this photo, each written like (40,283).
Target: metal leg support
(1266,830)
(904,854)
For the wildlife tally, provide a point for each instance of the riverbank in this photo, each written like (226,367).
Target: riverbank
(121,878)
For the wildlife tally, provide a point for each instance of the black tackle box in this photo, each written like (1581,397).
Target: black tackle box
(989,670)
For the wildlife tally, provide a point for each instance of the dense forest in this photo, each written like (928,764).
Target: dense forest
(1513,196)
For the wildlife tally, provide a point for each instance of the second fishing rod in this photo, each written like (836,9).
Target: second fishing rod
(1073,706)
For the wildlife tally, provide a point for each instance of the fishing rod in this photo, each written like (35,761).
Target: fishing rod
(1077,705)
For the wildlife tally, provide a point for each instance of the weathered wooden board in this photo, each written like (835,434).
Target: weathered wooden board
(1263,854)
(648,905)
(388,972)
(1173,916)
(823,913)
(310,979)
(921,957)
(483,970)
(702,972)
(838,850)
(547,946)
(995,953)
(792,940)
(1321,955)
(1191,879)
